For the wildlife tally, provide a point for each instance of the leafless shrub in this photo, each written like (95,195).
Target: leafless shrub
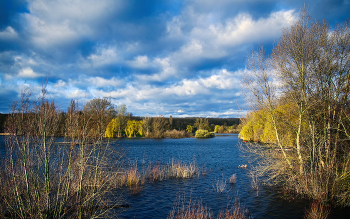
(175,134)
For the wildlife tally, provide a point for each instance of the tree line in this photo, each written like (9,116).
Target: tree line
(160,126)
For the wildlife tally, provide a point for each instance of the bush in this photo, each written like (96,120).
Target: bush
(204,134)
(175,134)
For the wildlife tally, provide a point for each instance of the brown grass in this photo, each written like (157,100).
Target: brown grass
(235,212)
(175,134)
(220,185)
(317,210)
(133,177)
(177,169)
(196,210)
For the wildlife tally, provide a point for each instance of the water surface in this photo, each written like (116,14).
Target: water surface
(219,158)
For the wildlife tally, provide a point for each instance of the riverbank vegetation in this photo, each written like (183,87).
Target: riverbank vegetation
(200,133)
(162,127)
(43,178)
(300,97)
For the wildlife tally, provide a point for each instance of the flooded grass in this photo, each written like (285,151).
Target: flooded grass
(196,210)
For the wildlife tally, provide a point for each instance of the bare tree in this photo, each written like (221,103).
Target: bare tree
(309,68)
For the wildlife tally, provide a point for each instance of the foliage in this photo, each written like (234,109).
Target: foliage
(300,95)
(217,128)
(258,125)
(204,134)
(134,128)
(202,124)
(112,128)
(189,129)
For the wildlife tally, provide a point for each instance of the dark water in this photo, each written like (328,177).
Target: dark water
(220,157)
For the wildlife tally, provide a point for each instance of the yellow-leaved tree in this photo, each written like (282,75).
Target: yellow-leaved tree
(112,128)
(134,128)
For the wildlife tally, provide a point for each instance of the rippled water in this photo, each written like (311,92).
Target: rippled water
(220,157)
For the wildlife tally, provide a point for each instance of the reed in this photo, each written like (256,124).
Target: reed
(133,177)
(236,211)
(177,169)
(317,210)
(220,185)
(196,210)
(190,210)
(157,173)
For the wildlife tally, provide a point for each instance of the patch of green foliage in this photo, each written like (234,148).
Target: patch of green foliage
(204,134)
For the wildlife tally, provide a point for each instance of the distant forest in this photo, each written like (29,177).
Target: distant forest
(178,123)
(2,122)
(181,123)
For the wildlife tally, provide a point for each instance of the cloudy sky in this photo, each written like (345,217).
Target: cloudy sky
(175,57)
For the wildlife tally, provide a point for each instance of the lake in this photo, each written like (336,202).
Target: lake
(219,158)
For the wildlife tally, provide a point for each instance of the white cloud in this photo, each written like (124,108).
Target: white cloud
(76,94)
(102,82)
(207,36)
(64,22)
(44,34)
(166,70)
(60,83)
(243,29)
(221,80)
(8,34)
(82,11)
(228,113)
(28,73)
(140,62)
(104,56)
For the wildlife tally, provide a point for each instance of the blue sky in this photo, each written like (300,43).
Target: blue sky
(180,58)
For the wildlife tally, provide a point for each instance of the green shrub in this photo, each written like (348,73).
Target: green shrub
(204,134)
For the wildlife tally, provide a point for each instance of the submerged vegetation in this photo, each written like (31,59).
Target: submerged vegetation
(301,100)
(194,209)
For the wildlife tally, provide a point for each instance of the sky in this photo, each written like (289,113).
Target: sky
(176,57)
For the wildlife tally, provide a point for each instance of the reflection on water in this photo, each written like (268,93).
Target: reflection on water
(220,157)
